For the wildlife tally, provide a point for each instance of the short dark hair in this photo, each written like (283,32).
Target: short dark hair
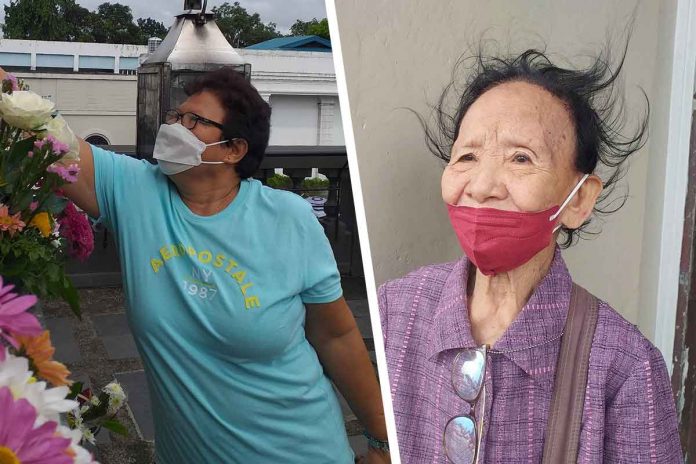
(590,96)
(247,117)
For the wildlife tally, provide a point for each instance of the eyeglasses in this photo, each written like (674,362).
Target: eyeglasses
(462,436)
(189,120)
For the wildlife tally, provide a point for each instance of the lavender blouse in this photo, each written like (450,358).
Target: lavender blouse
(629,414)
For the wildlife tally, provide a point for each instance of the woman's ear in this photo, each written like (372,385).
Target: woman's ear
(236,150)
(581,206)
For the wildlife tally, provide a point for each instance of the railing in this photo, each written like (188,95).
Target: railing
(103,269)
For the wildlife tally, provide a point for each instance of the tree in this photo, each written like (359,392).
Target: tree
(79,18)
(151,28)
(113,23)
(242,29)
(46,20)
(313,27)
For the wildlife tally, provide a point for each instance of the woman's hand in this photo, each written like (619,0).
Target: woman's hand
(3,74)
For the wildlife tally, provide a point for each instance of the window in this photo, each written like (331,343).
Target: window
(97,140)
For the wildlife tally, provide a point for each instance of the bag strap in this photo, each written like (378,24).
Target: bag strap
(565,416)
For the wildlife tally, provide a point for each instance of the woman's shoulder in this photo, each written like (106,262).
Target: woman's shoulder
(426,281)
(282,202)
(620,349)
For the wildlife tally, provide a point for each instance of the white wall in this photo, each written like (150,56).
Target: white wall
(401,55)
(92,104)
(294,120)
(293,82)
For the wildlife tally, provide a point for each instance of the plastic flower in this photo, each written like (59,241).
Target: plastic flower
(14,318)
(40,351)
(42,221)
(22,442)
(48,402)
(75,227)
(67,173)
(10,223)
(25,109)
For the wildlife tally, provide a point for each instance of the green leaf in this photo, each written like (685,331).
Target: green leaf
(72,297)
(19,150)
(22,201)
(55,204)
(115,426)
(75,390)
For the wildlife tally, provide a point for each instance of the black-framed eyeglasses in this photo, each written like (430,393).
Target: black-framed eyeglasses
(189,120)
(462,435)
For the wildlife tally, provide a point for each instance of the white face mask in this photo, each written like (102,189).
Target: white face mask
(177,149)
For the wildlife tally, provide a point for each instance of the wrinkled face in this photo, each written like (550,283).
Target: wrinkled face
(515,151)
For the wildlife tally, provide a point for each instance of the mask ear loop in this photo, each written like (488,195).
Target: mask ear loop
(217,143)
(567,200)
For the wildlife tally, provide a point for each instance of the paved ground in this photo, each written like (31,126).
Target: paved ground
(100,348)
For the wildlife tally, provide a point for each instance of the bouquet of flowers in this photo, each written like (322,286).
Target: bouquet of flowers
(35,392)
(39,228)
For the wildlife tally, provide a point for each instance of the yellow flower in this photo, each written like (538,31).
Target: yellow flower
(40,351)
(42,221)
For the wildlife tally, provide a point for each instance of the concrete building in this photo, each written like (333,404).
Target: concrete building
(95,87)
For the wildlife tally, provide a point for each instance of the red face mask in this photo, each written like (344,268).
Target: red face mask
(498,241)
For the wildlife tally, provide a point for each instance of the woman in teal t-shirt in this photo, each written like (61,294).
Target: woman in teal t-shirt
(233,295)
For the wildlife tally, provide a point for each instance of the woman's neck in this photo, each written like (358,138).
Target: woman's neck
(206,196)
(495,301)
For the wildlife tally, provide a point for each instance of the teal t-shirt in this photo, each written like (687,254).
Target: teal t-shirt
(216,308)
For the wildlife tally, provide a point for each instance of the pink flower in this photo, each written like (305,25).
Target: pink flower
(58,147)
(10,223)
(13,81)
(39,144)
(14,318)
(68,174)
(30,154)
(21,442)
(33,205)
(75,227)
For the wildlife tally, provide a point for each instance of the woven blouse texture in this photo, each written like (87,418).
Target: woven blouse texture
(629,414)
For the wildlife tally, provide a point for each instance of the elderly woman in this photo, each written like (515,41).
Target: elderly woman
(473,345)
(233,294)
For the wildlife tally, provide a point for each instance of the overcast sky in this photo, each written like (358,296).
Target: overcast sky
(282,12)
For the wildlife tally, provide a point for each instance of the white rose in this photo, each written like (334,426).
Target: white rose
(58,128)
(25,110)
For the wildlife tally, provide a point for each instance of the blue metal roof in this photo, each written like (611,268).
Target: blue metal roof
(307,43)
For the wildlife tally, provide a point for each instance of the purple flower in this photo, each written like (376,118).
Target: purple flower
(14,318)
(68,174)
(14,85)
(22,441)
(58,147)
